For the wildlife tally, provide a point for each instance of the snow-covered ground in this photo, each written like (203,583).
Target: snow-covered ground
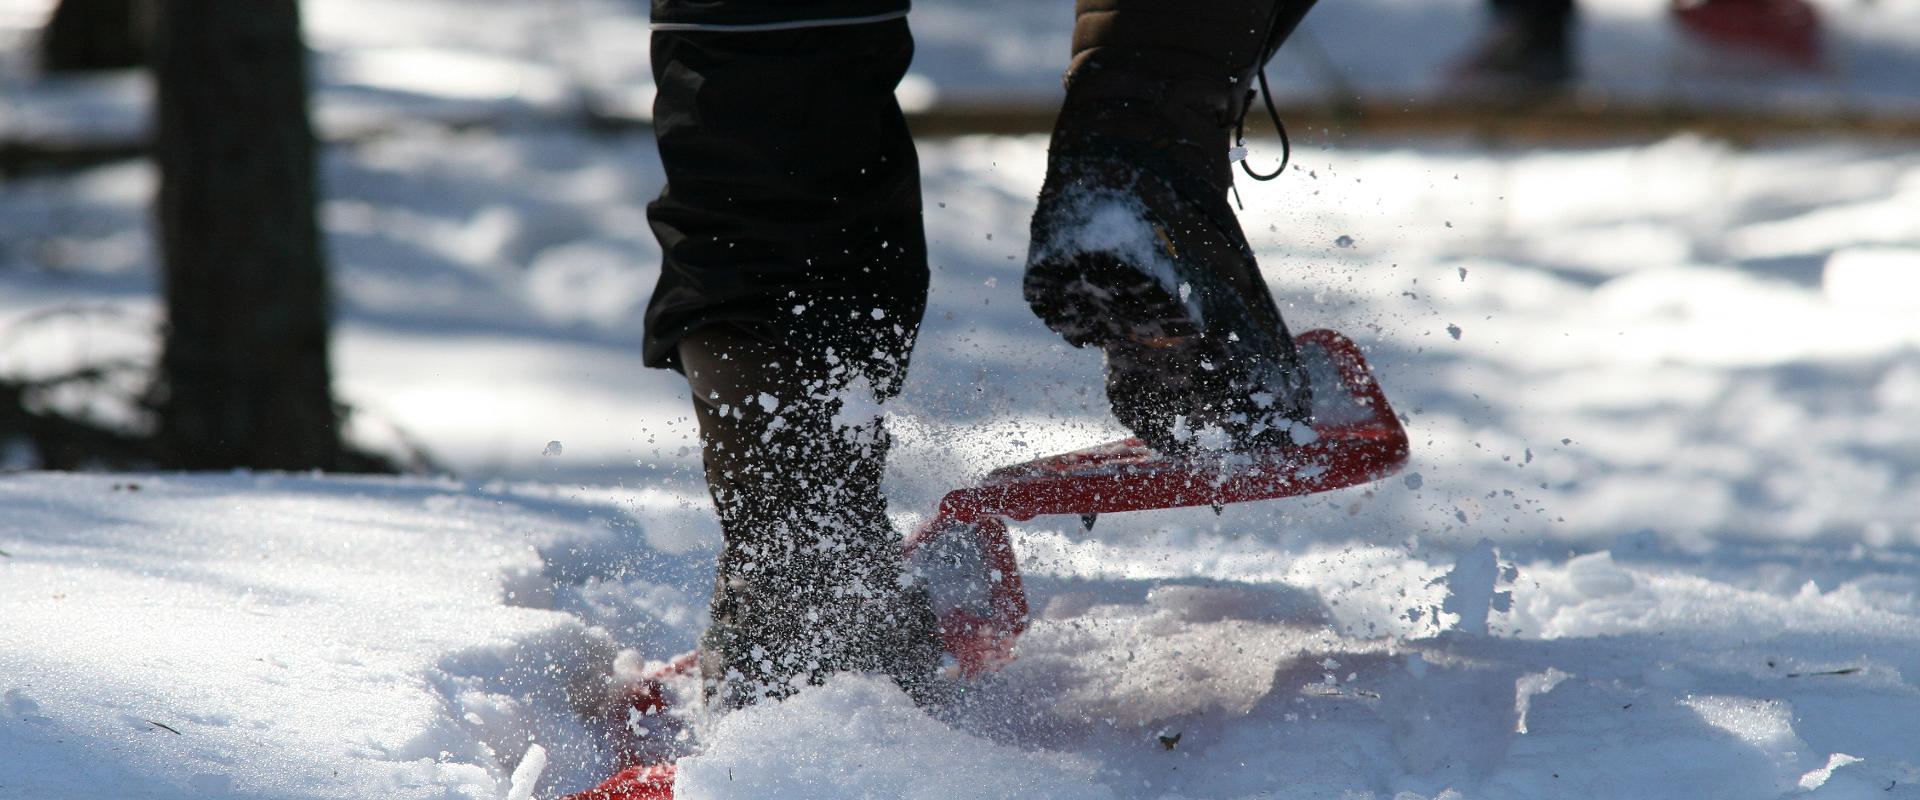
(1660,537)
(1663,395)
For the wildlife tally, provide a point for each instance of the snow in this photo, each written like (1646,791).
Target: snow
(283,637)
(1677,435)
(1658,540)
(860,737)
(1470,594)
(527,775)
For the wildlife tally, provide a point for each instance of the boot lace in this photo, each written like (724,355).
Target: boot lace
(1240,130)
(1266,97)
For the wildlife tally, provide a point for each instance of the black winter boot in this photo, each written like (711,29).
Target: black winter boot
(809,581)
(1135,248)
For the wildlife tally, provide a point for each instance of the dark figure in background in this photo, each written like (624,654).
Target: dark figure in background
(795,275)
(1528,47)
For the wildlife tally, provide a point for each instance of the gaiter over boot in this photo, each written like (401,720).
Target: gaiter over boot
(1135,248)
(810,580)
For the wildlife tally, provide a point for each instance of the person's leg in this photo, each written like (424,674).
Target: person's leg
(809,582)
(793,280)
(792,204)
(1135,248)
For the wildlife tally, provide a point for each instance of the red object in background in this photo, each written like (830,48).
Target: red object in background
(1786,30)
(1356,439)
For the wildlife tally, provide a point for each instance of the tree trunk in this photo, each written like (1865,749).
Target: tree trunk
(96,35)
(245,377)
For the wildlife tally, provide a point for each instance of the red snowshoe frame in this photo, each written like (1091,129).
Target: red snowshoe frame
(1357,439)
(968,561)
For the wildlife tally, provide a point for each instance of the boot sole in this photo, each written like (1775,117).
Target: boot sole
(1097,299)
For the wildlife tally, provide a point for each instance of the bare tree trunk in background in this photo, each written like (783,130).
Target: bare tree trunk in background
(245,377)
(96,34)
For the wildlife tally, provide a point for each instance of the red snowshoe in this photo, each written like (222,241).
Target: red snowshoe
(638,782)
(1785,31)
(636,724)
(967,559)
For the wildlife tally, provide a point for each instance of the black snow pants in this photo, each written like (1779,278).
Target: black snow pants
(792,208)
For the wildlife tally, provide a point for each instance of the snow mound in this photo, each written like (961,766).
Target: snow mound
(860,737)
(289,637)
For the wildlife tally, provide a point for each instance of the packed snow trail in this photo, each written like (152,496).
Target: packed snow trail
(1678,403)
(282,637)
(301,638)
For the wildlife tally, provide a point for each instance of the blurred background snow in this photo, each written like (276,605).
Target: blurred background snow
(386,62)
